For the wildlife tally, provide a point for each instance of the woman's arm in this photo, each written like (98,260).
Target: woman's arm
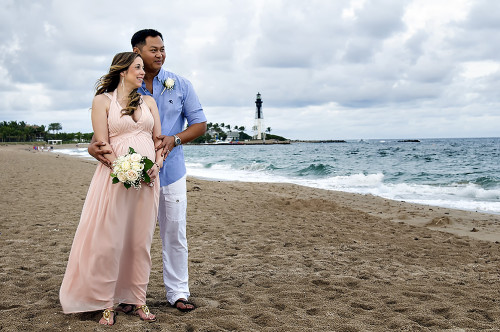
(156,132)
(99,116)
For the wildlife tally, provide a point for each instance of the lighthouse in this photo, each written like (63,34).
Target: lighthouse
(259,119)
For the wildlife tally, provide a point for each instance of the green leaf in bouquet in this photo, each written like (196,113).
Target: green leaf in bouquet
(127,185)
(147,179)
(130,150)
(147,164)
(115,180)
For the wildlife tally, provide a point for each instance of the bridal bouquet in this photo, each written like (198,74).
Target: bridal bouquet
(131,169)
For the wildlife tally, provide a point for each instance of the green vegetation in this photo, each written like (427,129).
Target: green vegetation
(222,132)
(14,131)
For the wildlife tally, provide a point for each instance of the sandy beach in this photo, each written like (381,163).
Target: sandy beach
(263,257)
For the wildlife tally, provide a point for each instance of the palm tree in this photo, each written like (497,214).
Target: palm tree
(56,126)
(268,130)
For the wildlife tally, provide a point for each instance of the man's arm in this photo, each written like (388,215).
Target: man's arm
(191,133)
(95,151)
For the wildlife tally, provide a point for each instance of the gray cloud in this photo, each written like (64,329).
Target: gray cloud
(326,69)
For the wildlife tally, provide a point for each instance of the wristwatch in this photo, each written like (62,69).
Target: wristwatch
(177,140)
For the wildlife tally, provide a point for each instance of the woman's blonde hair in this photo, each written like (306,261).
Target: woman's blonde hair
(109,82)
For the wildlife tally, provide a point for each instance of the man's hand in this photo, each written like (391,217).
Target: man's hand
(167,144)
(95,151)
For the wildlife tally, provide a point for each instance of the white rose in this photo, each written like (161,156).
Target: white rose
(137,167)
(125,165)
(169,83)
(132,175)
(135,157)
(121,176)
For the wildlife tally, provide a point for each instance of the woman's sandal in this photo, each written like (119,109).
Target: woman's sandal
(106,314)
(149,316)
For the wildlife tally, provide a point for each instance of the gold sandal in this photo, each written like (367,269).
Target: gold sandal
(106,314)
(146,311)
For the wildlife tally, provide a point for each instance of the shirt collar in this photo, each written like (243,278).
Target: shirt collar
(162,75)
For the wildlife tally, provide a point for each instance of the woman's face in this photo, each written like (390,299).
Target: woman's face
(134,75)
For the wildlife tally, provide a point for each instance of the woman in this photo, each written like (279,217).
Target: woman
(110,258)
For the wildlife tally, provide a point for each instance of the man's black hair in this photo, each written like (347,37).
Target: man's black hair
(139,38)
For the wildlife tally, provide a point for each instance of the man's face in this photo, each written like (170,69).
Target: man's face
(153,54)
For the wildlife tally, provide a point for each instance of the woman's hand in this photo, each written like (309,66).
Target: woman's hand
(166,144)
(153,173)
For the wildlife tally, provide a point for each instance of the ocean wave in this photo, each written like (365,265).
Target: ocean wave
(256,166)
(315,170)
(488,182)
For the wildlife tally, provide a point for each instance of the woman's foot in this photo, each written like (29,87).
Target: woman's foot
(144,313)
(108,317)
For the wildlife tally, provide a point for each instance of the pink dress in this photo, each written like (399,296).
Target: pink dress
(110,258)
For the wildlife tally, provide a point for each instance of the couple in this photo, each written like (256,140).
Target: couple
(109,262)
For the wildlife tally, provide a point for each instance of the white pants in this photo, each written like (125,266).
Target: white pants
(172,220)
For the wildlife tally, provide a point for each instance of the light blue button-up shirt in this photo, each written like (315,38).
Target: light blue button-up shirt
(175,107)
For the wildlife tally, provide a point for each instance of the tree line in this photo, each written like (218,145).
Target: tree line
(14,131)
(216,131)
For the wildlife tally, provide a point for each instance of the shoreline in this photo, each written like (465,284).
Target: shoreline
(478,225)
(263,257)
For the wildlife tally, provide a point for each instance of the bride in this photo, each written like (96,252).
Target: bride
(110,260)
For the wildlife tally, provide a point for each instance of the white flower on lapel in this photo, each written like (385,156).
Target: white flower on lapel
(168,84)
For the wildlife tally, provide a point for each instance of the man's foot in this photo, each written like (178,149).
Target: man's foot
(125,308)
(108,317)
(184,305)
(144,313)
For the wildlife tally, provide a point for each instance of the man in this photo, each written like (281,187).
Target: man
(177,102)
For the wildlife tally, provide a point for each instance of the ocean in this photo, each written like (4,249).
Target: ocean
(461,173)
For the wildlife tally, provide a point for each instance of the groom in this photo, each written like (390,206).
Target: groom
(177,103)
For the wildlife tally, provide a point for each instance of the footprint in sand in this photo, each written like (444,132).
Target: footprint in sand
(439,222)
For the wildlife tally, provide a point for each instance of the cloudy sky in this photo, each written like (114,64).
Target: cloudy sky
(326,69)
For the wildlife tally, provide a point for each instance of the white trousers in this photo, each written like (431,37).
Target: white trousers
(172,220)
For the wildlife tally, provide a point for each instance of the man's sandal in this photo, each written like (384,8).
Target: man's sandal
(106,314)
(149,316)
(186,303)
(125,308)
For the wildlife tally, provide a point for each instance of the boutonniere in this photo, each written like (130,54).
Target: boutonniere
(168,84)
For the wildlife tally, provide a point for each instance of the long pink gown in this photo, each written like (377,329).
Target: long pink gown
(110,258)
